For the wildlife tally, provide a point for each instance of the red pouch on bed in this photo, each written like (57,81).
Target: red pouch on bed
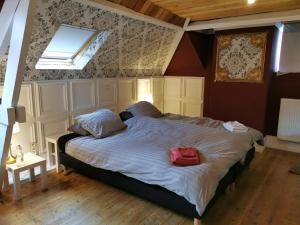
(184,156)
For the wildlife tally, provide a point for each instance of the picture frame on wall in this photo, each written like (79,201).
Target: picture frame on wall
(241,57)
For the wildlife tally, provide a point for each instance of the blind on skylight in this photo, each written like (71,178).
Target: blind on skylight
(290,50)
(67,42)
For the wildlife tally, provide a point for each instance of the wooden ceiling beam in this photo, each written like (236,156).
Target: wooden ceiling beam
(148,8)
(112,6)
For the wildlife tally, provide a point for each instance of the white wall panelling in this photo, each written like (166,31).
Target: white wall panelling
(172,106)
(192,96)
(144,90)
(82,95)
(51,126)
(51,99)
(172,94)
(184,95)
(107,92)
(51,106)
(26,99)
(152,90)
(52,109)
(126,92)
(158,92)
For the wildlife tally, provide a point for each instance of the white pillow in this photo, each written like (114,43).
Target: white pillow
(144,108)
(101,123)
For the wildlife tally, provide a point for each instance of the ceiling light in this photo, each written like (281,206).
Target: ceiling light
(250,2)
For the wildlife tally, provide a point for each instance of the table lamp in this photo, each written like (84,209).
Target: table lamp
(12,158)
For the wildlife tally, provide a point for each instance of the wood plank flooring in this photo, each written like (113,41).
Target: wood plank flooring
(266,194)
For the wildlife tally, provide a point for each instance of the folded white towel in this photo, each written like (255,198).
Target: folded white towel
(235,130)
(235,127)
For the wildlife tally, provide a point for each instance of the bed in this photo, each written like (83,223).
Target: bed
(136,160)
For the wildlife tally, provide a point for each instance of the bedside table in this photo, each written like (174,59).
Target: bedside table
(30,162)
(52,150)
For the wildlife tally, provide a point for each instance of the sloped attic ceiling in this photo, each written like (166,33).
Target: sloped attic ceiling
(134,48)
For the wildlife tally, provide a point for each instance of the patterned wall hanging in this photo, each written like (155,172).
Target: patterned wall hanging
(241,57)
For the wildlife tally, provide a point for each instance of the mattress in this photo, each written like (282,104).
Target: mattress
(253,134)
(141,152)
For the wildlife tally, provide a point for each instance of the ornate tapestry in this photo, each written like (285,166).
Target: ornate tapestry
(133,48)
(241,57)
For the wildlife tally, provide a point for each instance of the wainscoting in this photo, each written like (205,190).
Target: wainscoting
(51,106)
(184,95)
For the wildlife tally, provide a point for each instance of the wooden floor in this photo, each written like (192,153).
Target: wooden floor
(265,194)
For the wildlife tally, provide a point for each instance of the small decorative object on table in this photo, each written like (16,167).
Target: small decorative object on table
(11,157)
(34,148)
(20,155)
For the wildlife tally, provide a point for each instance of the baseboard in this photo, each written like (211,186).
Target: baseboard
(259,148)
(275,143)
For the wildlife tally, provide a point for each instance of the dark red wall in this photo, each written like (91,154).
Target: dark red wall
(245,102)
(1,3)
(192,56)
(284,86)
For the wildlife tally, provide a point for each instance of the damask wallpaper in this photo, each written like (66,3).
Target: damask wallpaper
(133,48)
(241,57)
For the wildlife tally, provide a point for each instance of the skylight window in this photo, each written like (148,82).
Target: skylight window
(71,48)
(290,48)
(280,27)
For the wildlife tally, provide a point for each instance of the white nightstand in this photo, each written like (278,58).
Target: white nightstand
(30,162)
(52,150)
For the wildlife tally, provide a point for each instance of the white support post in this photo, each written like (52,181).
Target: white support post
(20,13)
(6,18)
(21,33)
(5,137)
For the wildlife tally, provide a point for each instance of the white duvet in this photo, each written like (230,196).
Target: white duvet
(141,152)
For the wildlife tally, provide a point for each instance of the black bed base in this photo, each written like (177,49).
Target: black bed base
(154,193)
